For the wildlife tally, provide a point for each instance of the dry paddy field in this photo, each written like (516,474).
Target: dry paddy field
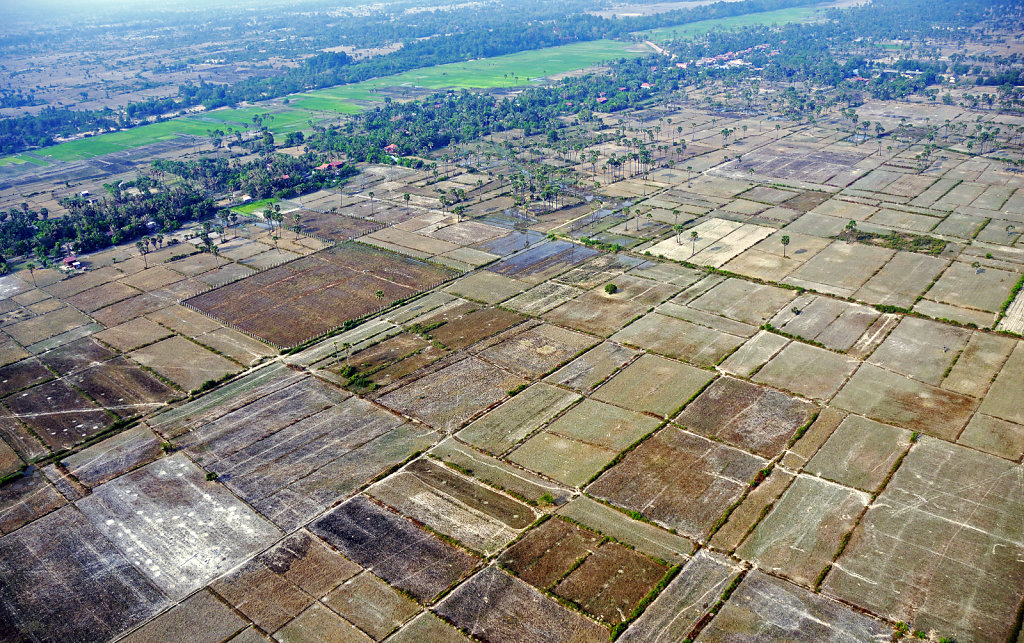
(769,429)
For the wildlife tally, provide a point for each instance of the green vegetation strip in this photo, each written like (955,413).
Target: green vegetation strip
(781,16)
(486,73)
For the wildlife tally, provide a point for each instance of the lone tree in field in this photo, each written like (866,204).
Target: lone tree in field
(693,240)
(785,242)
(143,249)
(371,203)
(380,297)
(675,213)
(406,196)
(31,271)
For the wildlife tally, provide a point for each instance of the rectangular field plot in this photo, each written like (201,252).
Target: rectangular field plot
(900,281)
(179,529)
(755,418)
(336,227)
(893,399)
(543,261)
(644,537)
(966,286)
(544,555)
(744,301)
(183,362)
(921,349)
(654,384)
(807,370)
(801,534)
(312,295)
(836,324)
(538,350)
(767,609)
(503,427)
(941,548)
(393,548)
(679,479)
(491,606)
(473,514)
(58,414)
(371,605)
(298,450)
(61,577)
(860,453)
(840,269)
(685,601)
(593,367)
(680,339)
(123,387)
(611,582)
(717,242)
(454,394)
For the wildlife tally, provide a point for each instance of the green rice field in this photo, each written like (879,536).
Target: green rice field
(778,17)
(502,71)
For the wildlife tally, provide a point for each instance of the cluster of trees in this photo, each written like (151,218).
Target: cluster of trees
(93,224)
(277,175)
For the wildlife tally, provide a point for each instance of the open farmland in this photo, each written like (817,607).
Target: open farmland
(699,367)
(325,289)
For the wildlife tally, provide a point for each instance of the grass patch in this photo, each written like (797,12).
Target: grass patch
(254,208)
(778,17)
(484,73)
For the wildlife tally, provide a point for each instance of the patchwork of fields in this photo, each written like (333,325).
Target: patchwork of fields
(774,426)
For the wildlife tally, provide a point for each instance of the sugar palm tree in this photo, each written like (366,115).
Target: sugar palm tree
(31,271)
(406,196)
(693,242)
(143,248)
(785,242)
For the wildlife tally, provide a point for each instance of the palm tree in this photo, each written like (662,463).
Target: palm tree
(297,218)
(216,255)
(785,242)
(675,213)
(380,297)
(32,271)
(693,241)
(406,196)
(142,251)
(371,203)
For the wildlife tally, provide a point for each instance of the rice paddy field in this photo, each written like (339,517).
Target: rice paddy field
(503,71)
(403,424)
